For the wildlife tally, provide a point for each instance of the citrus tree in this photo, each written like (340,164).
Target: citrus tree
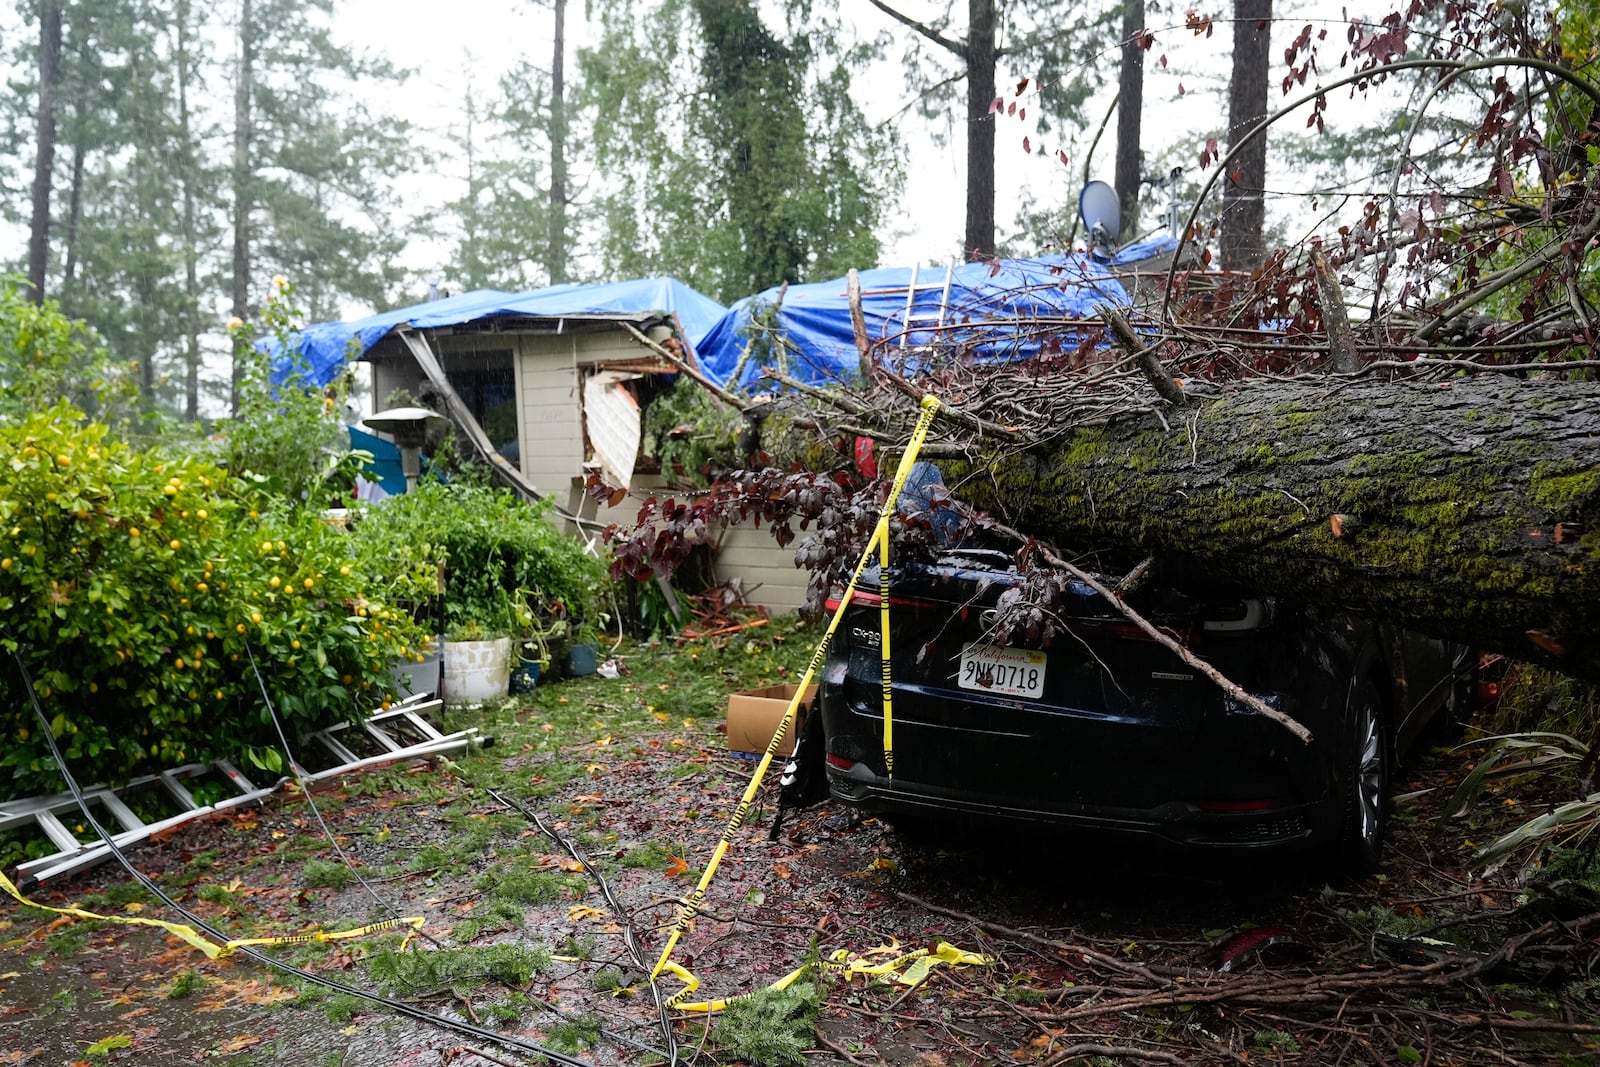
(159,600)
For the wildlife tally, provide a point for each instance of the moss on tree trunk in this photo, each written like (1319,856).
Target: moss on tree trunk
(1469,510)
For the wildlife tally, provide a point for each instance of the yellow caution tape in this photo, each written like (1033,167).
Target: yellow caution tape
(690,906)
(929,407)
(907,969)
(211,948)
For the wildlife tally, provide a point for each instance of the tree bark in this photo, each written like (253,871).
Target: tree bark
(1130,113)
(556,253)
(1244,209)
(44,146)
(243,92)
(187,180)
(980,56)
(1468,510)
(69,271)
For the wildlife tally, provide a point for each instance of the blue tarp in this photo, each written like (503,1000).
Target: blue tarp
(815,318)
(328,346)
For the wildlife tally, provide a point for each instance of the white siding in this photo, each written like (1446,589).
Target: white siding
(552,422)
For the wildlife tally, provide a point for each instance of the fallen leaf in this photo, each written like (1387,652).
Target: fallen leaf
(106,1044)
(676,865)
(237,1043)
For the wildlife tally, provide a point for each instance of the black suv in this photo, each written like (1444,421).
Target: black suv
(1106,729)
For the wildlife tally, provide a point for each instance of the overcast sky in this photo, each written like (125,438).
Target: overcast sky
(482,38)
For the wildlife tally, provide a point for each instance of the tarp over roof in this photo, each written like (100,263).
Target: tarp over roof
(815,318)
(328,346)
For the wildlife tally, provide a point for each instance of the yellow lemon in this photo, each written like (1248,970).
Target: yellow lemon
(133,531)
(310,582)
(294,645)
(240,627)
(345,570)
(174,544)
(179,663)
(200,514)
(275,581)
(5,564)
(65,461)
(255,616)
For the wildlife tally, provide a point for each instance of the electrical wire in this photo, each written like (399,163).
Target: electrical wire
(529,1048)
(305,791)
(629,937)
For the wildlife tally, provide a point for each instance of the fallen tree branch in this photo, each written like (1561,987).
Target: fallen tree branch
(1161,637)
(684,366)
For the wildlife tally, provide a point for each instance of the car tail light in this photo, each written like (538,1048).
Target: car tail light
(863,599)
(840,762)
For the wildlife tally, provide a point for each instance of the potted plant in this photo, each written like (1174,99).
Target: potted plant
(476,662)
(583,657)
(534,639)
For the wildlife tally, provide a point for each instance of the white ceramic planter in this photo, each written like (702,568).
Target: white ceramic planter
(476,671)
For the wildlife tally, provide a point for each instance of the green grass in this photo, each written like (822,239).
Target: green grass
(319,874)
(419,972)
(187,983)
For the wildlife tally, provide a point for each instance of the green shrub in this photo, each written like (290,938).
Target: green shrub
(493,548)
(136,585)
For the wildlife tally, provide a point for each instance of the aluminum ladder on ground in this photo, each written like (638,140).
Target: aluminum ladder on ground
(401,733)
(914,317)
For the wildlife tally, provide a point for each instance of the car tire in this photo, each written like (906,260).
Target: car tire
(1365,763)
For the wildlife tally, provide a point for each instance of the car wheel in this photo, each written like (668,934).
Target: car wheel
(1364,781)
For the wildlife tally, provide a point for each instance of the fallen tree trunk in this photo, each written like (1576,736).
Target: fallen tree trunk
(1468,509)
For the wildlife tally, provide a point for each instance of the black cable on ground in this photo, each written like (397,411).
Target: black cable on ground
(629,938)
(529,1048)
(305,791)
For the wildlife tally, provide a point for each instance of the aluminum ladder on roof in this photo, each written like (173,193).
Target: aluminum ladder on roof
(912,316)
(400,733)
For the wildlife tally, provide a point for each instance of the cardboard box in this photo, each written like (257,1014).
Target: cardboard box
(753,715)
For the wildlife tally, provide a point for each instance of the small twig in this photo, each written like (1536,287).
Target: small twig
(469,1050)
(1090,954)
(843,401)
(840,1050)
(1116,1052)
(953,414)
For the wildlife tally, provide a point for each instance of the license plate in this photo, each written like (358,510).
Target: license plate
(1017,672)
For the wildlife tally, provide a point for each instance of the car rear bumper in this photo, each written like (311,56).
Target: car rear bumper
(1178,822)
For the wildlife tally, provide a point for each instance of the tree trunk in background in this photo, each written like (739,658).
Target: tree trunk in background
(1244,208)
(556,252)
(191,272)
(1130,113)
(1404,501)
(45,146)
(980,58)
(242,93)
(74,217)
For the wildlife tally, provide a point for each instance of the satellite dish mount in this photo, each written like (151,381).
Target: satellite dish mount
(1101,211)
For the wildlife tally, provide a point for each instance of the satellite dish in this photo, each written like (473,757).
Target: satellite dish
(1101,211)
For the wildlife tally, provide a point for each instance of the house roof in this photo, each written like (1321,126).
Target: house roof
(985,305)
(326,347)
